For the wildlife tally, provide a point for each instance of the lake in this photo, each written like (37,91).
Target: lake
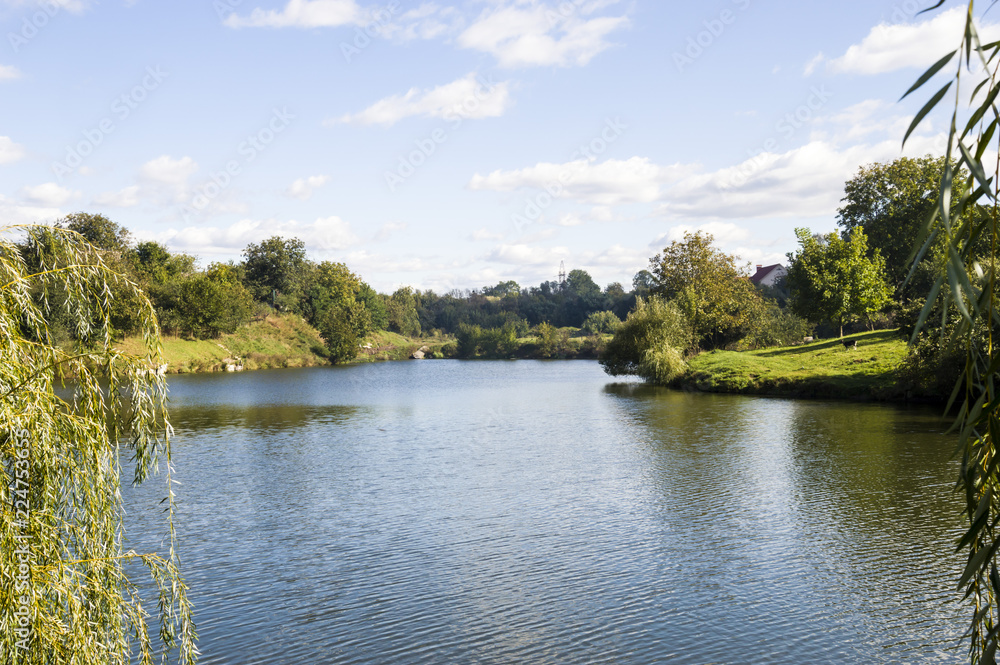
(540,512)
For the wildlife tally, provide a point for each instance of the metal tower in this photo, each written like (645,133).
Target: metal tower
(562,272)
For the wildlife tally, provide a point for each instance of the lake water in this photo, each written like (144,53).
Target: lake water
(539,512)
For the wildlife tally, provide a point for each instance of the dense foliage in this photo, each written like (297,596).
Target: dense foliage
(650,343)
(68,593)
(719,301)
(832,279)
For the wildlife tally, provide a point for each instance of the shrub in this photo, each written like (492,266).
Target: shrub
(602,322)
(650,343)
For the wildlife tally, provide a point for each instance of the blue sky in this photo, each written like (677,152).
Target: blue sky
(454,145)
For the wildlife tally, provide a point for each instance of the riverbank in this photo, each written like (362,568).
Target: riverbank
(821,369)
(286,340)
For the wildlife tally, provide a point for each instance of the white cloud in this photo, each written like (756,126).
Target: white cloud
(50,6)
(605,183)
(528,33)
(522,254)
(10,152)
(302,14)
(9,72)
(428,21)
(125,198)
(813,64)
(18,213)
(804,182)
(724,233)
(485,234)
(888,48)
(48,195)
(323,235)
(388,229)
(468,97)
(167,170)
(303,188)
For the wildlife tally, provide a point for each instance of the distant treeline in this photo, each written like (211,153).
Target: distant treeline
(277,275)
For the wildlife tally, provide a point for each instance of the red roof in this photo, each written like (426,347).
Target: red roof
(762,272)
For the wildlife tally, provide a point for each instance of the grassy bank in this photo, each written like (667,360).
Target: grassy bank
(818,369)
(282,340)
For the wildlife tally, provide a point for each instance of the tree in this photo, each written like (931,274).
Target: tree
(155,264)
(375,305)
(333,305)
(719,301)
(68,593)
(99,231)
(401,310)
(650,343)
(830,279)
(602,322)
(891,202)
(275,271)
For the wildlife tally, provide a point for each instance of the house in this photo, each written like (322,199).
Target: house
(768,275)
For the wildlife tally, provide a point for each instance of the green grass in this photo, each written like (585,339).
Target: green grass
(818,369)
(283,340)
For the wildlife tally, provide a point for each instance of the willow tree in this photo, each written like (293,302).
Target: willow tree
(965,222)
(69,591)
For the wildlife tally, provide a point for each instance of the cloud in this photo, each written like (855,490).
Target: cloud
(10,152)
(485,234)
(807,181)
(611,182)
(528,33)
(17,213)
(302,14)
(167,170)
(302,189)
(326,234)
(468,97)
(50,6)
(389,229)
(48,195)
(125,198)
(522,254)
(889,48)
(9,73)
(813,64)
(724,233)
(428,21)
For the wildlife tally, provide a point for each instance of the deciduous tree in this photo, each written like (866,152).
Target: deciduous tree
(832,279)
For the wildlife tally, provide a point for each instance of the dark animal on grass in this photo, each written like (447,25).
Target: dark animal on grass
(850,343)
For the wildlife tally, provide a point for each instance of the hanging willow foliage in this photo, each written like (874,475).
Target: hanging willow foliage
(966,294)
(66,595)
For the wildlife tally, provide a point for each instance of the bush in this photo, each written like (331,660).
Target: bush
(650,343)
(602,322)
(776,327)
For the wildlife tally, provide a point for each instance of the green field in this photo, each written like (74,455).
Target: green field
(818,369)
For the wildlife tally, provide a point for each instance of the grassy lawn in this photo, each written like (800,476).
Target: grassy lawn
(818,369)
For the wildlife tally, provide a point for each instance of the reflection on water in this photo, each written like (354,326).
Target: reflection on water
(501,512)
